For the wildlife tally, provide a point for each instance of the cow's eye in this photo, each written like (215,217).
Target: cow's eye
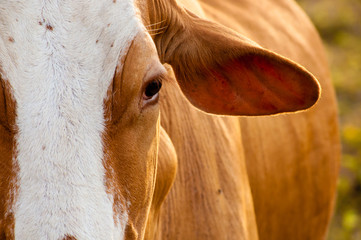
(152,84)
(153,88)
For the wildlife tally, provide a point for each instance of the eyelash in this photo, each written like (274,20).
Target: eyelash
(151,96)
(152,88)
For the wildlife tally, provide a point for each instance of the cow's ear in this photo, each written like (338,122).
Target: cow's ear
(221,72)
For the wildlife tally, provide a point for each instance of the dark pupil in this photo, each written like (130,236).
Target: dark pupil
(153,88)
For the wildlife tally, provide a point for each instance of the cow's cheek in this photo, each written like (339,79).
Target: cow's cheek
(133,150)
(7,183)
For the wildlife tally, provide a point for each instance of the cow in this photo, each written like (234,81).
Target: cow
(90,145)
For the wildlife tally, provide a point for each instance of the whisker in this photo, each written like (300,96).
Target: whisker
(157,29)
(154,34)
(154,24)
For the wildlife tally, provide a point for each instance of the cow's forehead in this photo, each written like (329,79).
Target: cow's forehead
(83,37)
(59,58)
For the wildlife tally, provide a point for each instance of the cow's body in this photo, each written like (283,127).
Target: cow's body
(80,129)
(292,160)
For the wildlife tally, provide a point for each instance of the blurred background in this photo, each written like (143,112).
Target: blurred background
(339,23)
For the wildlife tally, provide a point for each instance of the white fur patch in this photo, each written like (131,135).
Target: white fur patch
(59,56)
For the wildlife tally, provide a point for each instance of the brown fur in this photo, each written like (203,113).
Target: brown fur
(292,160)
(166,172)
(7,168)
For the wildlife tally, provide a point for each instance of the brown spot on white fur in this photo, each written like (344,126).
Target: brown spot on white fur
(69,237)
(49,27)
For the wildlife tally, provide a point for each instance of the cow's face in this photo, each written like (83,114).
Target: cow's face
(79,119)
(79,114)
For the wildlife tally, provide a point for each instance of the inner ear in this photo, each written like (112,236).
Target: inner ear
(251,84)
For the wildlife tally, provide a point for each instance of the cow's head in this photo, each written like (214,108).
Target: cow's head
(79,114)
